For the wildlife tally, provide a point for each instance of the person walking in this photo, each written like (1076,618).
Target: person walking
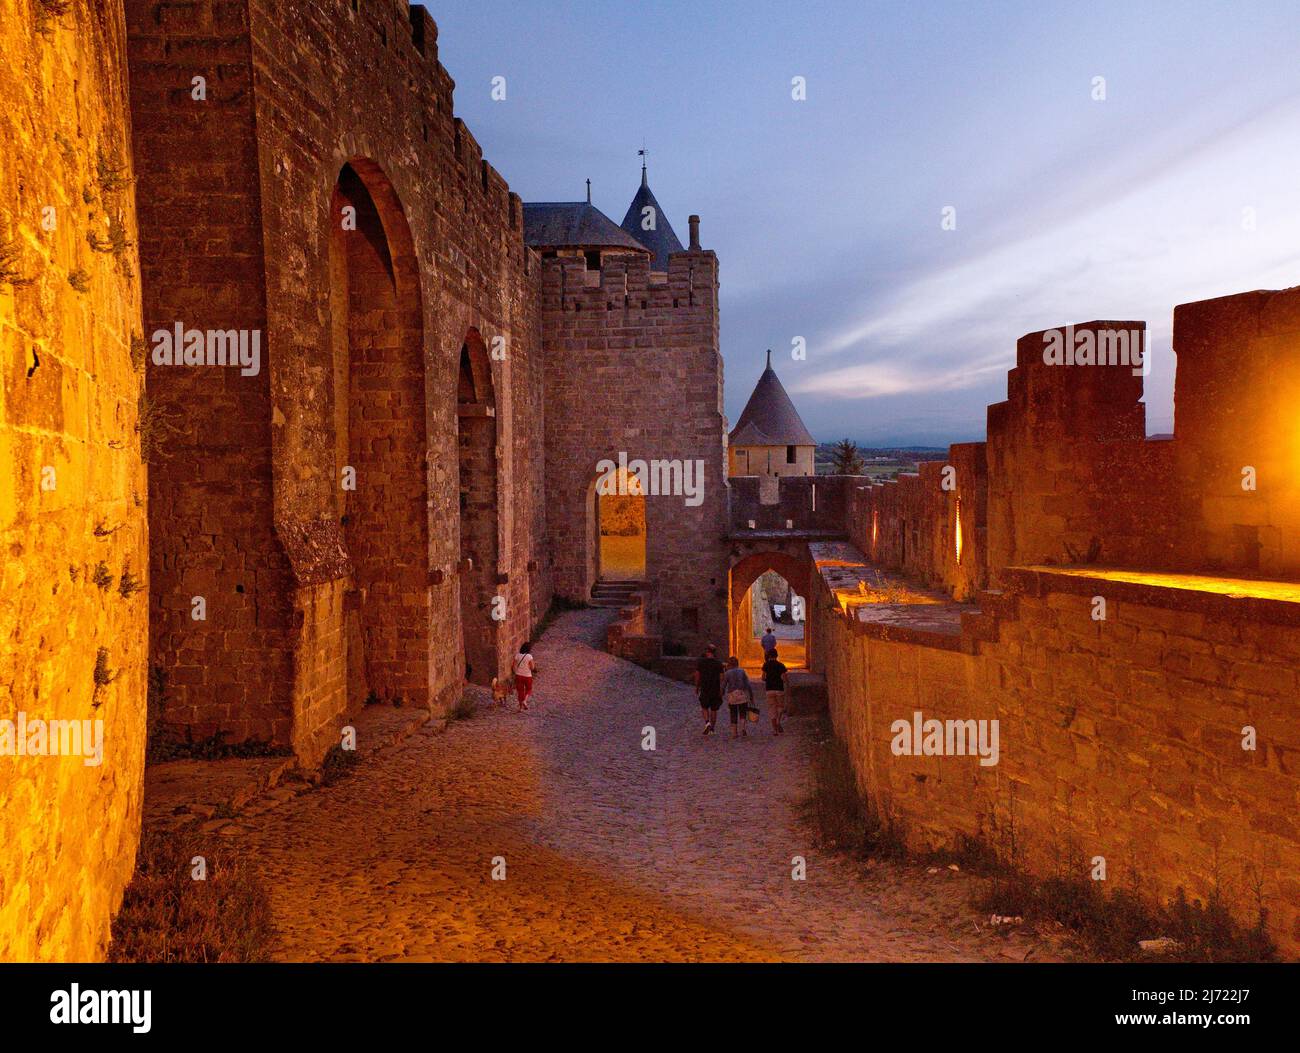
(708,686)
(738,693)
(768,642)
(776,683)
(524,669)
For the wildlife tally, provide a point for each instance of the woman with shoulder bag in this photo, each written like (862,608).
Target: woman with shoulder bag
(524,669)
(738,693)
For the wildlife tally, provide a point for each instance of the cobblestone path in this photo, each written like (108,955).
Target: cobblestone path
(611,852)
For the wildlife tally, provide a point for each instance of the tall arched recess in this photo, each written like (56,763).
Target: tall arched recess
(480,612)
(380,445)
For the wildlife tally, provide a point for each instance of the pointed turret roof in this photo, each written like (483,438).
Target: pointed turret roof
(663,239)
(769,417)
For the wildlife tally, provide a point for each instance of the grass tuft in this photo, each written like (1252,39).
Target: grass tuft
(102,577)
(48,12)
(465,707)
(1110,925)
(10,264)
(156,424)
(168,916)
(110,172)
(139,352)
(843,818)
(338,764)
(128,585)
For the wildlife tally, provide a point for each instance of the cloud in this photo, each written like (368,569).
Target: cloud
(878,379)
(1177,233)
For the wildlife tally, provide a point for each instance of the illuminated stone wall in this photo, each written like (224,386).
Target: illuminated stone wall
(1120,738)
(72,485)
(1123,734)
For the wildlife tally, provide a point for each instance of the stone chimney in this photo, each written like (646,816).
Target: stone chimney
(695,233)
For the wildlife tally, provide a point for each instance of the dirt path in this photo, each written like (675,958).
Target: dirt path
(610,851)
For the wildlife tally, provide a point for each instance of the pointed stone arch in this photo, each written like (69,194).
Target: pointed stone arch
(380,441)
(482,613)
(795,569)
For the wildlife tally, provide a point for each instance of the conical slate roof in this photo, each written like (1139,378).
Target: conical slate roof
(769,417)
(663,239)
(573,224)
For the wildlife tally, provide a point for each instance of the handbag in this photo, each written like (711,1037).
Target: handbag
(752,714)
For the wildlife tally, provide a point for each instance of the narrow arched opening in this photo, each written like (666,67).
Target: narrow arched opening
(482,607)
(620,516)
(769,592)
(376,330)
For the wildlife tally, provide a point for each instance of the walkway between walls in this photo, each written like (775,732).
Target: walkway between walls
(608,850)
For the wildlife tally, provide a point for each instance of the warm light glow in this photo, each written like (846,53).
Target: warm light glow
(957,540)
(875,529)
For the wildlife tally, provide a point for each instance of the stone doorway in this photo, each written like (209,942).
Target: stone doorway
(772,602)
(620,528)
(764,587)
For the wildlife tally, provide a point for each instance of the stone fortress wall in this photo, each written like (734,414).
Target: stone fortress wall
(72,483)
(362,510)
(405,479)
(633,367)
(303,186)
(1124,607)
(318,595)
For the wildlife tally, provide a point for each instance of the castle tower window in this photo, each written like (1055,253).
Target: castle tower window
(789,455)
(593,261)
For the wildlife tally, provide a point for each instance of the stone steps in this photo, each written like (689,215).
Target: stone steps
(613,594)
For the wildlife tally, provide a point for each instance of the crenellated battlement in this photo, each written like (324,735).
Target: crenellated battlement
(1123,637)
(626,283)
(1067,474)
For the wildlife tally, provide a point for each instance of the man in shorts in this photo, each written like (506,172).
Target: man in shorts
(708,686)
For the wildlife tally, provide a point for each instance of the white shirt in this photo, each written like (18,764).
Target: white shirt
(523,665)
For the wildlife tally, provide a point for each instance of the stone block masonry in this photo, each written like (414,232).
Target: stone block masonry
(632,366)
(319,189)
(372,505)
(1135,628)
(1120,738)
(72,486)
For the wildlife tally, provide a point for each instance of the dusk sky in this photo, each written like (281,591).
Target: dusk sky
(826,213)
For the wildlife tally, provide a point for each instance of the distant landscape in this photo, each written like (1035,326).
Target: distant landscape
(882,462)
